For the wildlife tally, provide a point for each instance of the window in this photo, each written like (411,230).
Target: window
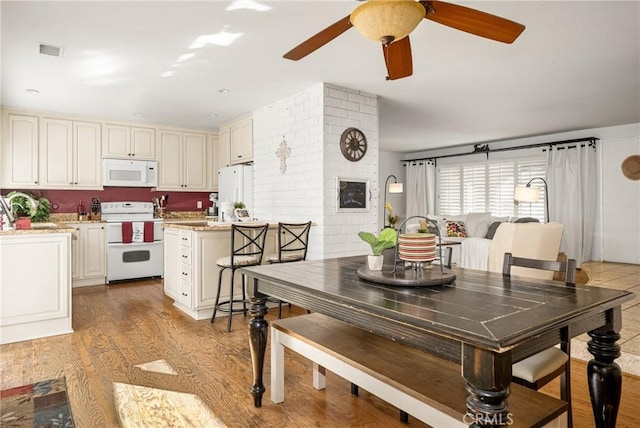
(489,186)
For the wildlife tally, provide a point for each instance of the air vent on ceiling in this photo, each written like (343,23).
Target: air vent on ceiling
(46,49)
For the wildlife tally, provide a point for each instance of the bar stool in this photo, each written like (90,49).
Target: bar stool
(292,243)
(247,249)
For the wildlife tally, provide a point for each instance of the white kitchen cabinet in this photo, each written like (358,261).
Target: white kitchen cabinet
(241,141)
(129,142)
(20,169)
(191,272)
(70,154)
(178,269)
(224,141)
(171,278)
(182,161)
(35,284)
(89,254)
(214,159)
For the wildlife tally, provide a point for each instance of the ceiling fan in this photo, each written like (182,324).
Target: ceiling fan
(391,21)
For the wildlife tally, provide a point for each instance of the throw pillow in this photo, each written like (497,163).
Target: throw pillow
(492,229)
(527,220)
(456,229)
(477,224)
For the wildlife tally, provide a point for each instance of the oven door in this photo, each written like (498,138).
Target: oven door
(114,231)
(135,260)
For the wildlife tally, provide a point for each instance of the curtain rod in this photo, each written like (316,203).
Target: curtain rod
(477,148)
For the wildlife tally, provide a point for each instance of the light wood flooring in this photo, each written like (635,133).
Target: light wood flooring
(119,327)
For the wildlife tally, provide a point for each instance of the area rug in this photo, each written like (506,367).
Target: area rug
(138,406)
(42,404)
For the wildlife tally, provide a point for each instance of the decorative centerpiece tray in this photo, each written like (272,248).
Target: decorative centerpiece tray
(408,277)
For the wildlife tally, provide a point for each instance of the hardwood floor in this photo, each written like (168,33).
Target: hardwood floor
(128,324)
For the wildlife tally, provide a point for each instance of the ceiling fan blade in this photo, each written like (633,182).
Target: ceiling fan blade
(397,56)
(473,21)
(319,40)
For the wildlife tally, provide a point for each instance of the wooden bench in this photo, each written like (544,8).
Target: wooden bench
(420,384)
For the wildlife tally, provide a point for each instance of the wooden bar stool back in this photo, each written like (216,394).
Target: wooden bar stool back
(537,370)
(247,249)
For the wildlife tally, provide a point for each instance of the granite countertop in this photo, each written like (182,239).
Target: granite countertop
(203,226)
(40,228)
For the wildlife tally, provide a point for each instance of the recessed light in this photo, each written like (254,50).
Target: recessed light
(138,114)
(212,115)
(32,91)
(224,91)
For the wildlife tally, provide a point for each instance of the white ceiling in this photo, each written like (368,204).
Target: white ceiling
(576,66)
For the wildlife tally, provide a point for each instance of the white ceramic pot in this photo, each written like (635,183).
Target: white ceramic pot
(375,262)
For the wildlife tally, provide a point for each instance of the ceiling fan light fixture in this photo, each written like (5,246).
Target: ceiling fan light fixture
(387,19)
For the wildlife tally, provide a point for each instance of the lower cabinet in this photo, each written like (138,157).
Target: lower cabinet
(191,272)
(88,259)
(35,285)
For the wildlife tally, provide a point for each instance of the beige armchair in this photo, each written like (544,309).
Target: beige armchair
(531,240)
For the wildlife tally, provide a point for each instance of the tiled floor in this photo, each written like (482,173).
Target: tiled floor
(622,277)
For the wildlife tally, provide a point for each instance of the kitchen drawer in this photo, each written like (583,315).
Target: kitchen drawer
(185,238)
(185,272)
(185,255)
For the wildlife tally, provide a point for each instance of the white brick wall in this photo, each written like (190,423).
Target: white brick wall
(312,122)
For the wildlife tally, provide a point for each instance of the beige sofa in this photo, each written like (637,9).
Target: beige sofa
(532,240)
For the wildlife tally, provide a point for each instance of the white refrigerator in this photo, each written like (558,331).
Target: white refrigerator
(235,184)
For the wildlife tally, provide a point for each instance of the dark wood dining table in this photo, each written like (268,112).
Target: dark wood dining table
(483,321)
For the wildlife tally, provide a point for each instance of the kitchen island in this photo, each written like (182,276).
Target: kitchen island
(35,282)
(191,249)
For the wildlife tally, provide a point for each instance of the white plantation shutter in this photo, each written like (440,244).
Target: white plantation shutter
(501,187)
(450,190)
(474,184)
(488,186)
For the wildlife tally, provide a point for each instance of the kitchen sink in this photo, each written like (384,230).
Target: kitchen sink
(44,226)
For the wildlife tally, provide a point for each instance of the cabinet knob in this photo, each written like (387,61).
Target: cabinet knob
(239,156)
(184,273)
(71,182)
(35,182)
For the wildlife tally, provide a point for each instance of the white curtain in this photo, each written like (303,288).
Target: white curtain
(571,176)
(421,188)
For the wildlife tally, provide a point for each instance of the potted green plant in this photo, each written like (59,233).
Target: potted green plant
(26,208)
(386,239)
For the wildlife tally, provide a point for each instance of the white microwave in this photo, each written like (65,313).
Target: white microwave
(129,173)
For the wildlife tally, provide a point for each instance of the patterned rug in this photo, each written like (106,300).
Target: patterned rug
(42,404)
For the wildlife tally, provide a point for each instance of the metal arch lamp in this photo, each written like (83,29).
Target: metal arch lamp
(532,194)
(394,187)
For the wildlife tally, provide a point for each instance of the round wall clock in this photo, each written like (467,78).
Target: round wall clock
(353,144)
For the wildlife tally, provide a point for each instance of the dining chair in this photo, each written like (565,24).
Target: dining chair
(292,245)
(537,370)
(247,249)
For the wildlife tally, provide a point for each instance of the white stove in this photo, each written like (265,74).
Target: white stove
(135,251)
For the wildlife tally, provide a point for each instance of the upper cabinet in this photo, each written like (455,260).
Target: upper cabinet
(70,154)
(224,141)
(182,161)
(20,151)
(50,153)
(214,162)
(236,141)
(129,142)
